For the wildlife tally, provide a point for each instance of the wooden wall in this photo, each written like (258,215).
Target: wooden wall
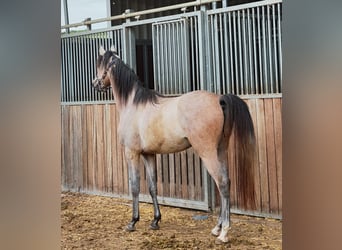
(93,160)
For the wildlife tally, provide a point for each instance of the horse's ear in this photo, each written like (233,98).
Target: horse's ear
(102,51)
(112,48)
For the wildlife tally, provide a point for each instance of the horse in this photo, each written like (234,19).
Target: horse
(151,123)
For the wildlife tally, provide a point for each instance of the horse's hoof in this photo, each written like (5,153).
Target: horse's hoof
(220,242)
(130,228)
(216,231)
(154,227)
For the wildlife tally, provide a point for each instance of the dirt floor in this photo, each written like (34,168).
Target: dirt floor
(94,222)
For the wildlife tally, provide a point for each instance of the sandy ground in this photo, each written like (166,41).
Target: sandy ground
(94,222)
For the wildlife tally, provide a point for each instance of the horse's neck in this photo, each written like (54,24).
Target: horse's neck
(123,107)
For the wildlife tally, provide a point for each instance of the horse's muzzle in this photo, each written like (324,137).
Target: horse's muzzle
(98,85)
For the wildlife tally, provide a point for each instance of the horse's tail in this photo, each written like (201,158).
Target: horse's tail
(237,119)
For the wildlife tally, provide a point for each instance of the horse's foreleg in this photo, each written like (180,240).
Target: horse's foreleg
(134,180)
(151,173)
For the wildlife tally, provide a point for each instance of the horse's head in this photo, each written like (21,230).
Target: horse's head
(105,61)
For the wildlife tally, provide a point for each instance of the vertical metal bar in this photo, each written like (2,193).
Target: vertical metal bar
(236,83)
(274,34)
(202,49)
(166,59)
(227,55)
(87,70)
(62,72)
(222,72)
(72,55)
(179,58)
(250,57)
(244,51)
(265,83)
(171,44)
(182,55)
(255,53)
(212,55)
(280,48)
(82,73)
(94,53)
(197,81)
(240,55)
(270,68)
(154,54)
(186,54)
(160,60)
(217,79)
(231,65)
(192,53)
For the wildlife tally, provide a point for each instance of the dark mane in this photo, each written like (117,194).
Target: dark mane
(127,81)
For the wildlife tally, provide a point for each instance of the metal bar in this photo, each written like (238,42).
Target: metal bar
(274,30)
(202,49)
(231,65)
(87,68)
(269,32)
(235,56)
(154,54)
(227,55)
(240,54)
(244,51)
(140,13)
(264,84)
(192,54)
(197,81)
(81,71)
(174,63)
(216,61)
(280,48)
(62,71)
(255,54)
(250,59)
(223,81)
(261,79)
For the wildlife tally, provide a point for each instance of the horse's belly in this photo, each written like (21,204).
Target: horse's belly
(166,145)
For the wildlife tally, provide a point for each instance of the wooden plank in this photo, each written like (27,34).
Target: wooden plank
(120,161)
(199,191)
(84,148)
(172,169)
(278,146)
(178,177)
(65,144)
(160,186)
(271,158)
(72,168)
(185,193)
(108,146)
(115,163)
(262,156)
(91,148)
(191,177)
(252,109)
(78,147)
(166,181)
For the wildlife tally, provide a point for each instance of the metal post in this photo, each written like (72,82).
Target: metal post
(88,25)
(129,43)
(66,14)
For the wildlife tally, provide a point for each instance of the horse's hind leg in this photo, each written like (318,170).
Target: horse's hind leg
(151,173)
(219,172)
(134,179)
